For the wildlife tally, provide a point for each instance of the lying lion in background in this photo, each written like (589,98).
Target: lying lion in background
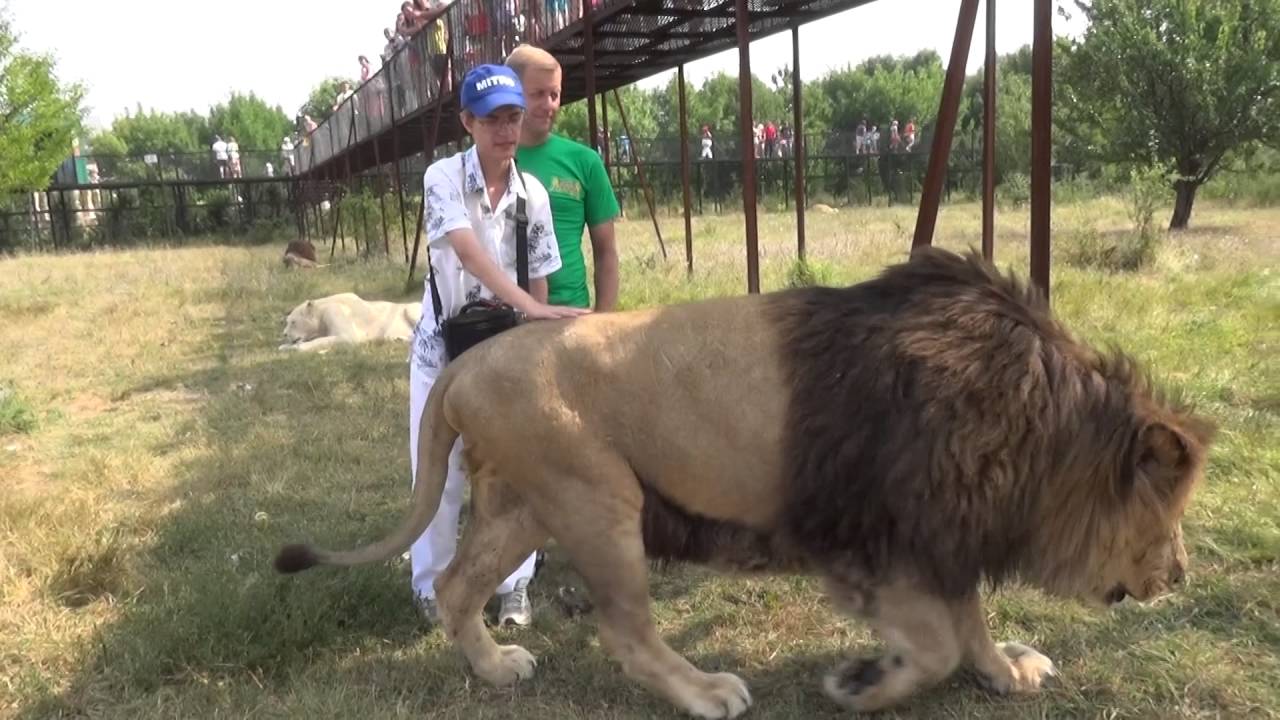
(906,439)
(300,253)
(347,318)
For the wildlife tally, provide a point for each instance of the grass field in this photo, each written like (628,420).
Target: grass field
(163,449)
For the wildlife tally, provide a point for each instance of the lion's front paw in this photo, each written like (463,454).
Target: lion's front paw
(1030,669)
(858,684)
(288,346)
(850,679)
(512,664)
(718,695)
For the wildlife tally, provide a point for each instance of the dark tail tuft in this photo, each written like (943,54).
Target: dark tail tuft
(295,558)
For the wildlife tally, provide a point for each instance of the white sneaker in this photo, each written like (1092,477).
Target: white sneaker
(428,610)
(516,608)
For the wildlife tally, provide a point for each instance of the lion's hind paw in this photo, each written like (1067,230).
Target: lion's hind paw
(718,695)
(512,664)
(1031,668)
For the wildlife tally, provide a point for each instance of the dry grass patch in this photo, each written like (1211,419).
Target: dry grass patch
(175,448)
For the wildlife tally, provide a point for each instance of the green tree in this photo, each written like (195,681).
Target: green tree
(319,103)
(641,107)
(1175,82)
(883,88)
(716,105)
(198,125)
(572,121)
(147,131)
(254,124)
(668,108)
(815,107)
(106,142)
(1013,125)
(39,116)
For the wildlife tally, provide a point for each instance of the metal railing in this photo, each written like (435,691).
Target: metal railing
(470,32)
(103,169)
(726,146)
(98,169)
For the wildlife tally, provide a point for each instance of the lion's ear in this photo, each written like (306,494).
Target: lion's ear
(1162,448)
(1164,456)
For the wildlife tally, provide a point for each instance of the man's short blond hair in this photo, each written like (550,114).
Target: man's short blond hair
(528,57)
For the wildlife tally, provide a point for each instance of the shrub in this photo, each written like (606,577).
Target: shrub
(807,273)
(16,414)
(1148,186)
(1112,252)
(1015,190)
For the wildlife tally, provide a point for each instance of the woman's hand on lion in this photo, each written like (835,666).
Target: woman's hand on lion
(542,311)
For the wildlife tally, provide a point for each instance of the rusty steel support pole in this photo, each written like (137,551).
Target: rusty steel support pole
(299,197)
(53,219)
(315,210)
(35,217)
(797,138)
(989,139)
(346,179)
(428,150)
(417,235)
(337,224)
(747,139)
(300,210)
(589,69)
(604,125)
(1041,142)
(395,150)
(363,182)
(382,197)
(639,168)
(684,172)
(940,152)
(310,139)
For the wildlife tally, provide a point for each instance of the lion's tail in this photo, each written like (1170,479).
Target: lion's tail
(428,487)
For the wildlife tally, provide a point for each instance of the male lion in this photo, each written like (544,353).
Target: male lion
(907,439)
(347,318)
(300,253)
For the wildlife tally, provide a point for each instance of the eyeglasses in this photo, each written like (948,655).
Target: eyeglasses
(492,122)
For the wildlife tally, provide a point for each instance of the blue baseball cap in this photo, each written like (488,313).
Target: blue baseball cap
(489,87)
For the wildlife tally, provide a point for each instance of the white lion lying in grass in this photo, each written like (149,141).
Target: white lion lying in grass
(348,318)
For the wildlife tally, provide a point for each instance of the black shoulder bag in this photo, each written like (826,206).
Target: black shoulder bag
(482,319)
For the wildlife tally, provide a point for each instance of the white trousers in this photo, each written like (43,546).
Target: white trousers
(434,550)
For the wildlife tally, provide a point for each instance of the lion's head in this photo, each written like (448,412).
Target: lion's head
(1115,525)
(302,323)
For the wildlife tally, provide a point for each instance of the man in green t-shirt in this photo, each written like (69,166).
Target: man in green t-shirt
(576,179)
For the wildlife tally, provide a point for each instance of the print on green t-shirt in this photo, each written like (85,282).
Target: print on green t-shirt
(581,196)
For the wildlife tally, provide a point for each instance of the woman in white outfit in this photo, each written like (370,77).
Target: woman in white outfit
(469,219)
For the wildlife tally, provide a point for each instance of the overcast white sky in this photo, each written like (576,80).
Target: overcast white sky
(179,56)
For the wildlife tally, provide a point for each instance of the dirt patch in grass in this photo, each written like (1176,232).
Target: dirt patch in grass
(85,406)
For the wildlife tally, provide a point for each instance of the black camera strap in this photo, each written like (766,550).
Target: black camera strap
(522,244)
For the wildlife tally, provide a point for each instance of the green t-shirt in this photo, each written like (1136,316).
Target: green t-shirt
(581,196)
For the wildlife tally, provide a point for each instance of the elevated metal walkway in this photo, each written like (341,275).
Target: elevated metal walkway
(410,105)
